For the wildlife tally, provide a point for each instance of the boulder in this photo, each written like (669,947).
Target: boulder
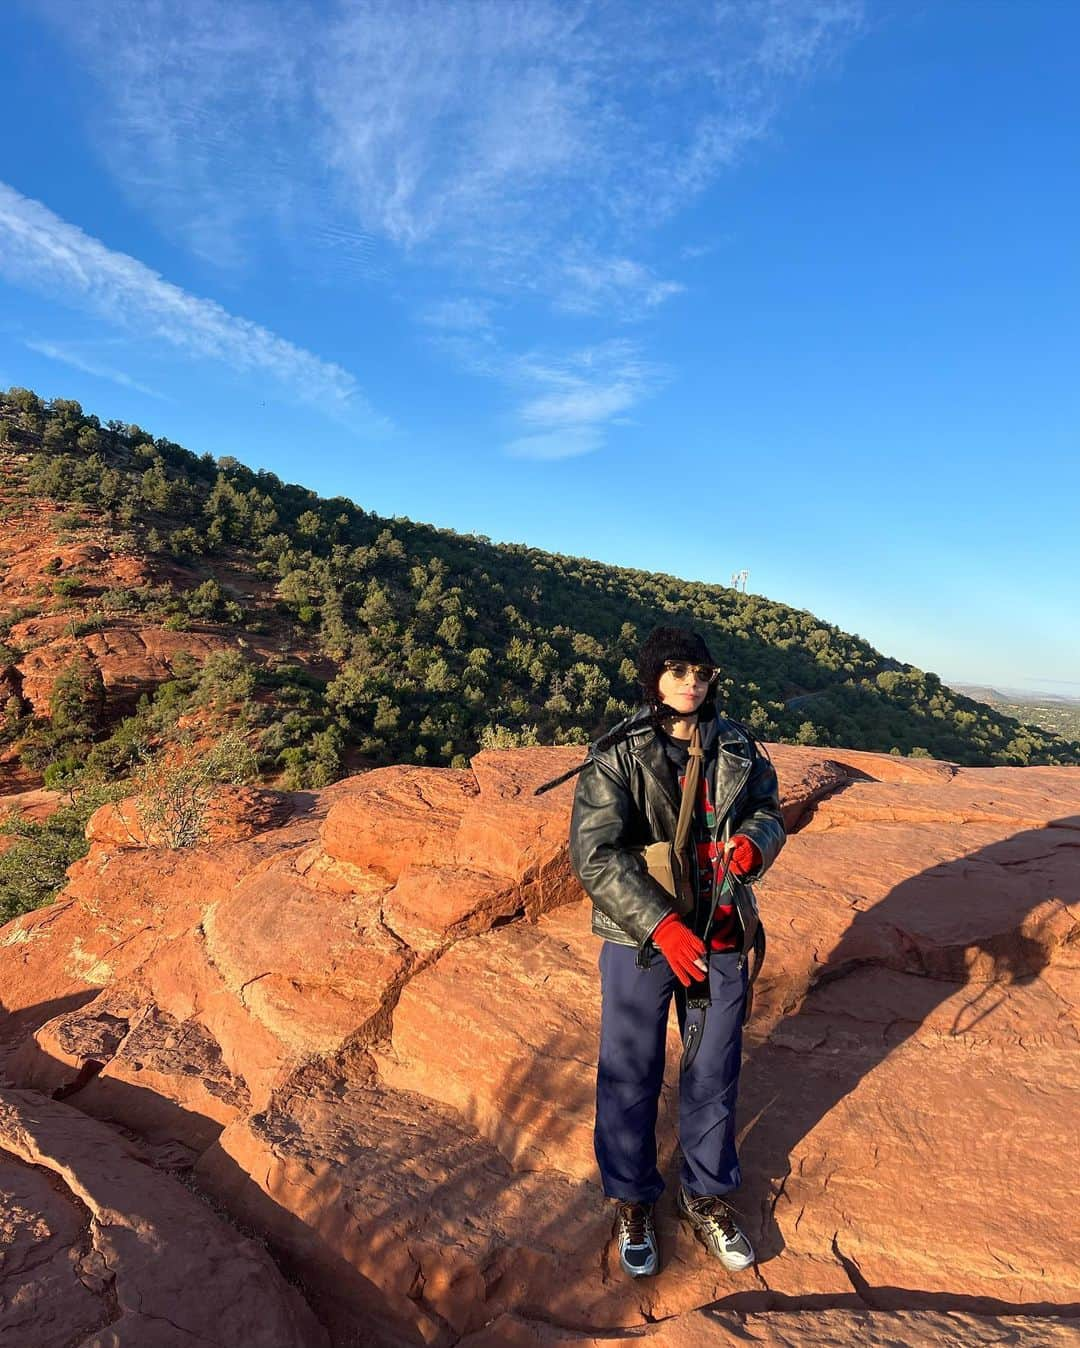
(395,817)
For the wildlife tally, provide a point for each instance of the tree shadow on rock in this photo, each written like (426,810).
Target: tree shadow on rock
(987,921)
(400,1218)
(404,1219)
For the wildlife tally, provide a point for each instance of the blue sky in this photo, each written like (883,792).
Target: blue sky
(789,285)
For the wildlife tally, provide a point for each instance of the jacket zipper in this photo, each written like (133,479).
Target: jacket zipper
(721,814)
(718,823)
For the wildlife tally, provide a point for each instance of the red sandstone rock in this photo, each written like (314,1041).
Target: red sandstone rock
(798,1329)
(118,909)
(429,1228)
(35,804)
(508,829)
(50,1287)
(395,817)
(311,967)
(430,904)
(133,658)
(106,1252)
(520,1006)
(133,653)
(165,1079)
(376,1023)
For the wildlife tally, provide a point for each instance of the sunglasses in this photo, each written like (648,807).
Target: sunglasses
(680,668)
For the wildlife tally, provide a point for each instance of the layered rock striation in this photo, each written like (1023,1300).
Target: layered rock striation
(364,1022)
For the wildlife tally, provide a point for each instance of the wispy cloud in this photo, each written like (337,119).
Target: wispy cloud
(691,252)
(590,386)
(513,149)
(569,401)
(197,118)
(518,136)
(463,314)
(592,285)
(568,443)
(533,146)
(67,355)
(564,401)
(47,254)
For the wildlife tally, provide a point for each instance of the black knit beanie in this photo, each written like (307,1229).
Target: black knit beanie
(670,643)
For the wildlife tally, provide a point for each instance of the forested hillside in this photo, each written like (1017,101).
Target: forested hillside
(345,638)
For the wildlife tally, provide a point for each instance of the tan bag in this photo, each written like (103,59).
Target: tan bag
(666,862)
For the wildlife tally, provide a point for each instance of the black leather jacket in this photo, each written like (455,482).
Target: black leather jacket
(625,796)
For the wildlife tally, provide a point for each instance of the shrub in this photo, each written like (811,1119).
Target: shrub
(225,677)
(117,599)
(174,789)
(33,869)
(314,764)
(63,773)
(499,737)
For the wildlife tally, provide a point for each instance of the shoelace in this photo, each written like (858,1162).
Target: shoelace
(632,1221)
(718,1211)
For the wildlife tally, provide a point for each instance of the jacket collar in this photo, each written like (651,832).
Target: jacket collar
(646,746)
(717,728)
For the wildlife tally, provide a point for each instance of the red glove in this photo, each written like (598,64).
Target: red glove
(745,855)
(681,948)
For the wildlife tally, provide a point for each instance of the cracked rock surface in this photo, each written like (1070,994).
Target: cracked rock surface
(364,1021)
(99,1249)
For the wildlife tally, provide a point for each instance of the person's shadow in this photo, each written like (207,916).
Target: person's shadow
(985,921)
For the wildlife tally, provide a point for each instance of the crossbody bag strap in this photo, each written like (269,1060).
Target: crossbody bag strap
(689,793)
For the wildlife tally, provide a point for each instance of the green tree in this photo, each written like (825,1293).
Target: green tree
(77,700)
(807,733)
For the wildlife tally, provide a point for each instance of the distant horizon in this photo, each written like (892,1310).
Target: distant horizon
(1055,687)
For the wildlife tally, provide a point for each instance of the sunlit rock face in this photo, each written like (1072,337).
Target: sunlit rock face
(364,1021)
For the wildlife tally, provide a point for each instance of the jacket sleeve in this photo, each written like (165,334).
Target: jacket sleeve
(613,877)
(760,817)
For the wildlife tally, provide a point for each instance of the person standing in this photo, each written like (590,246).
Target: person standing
(628,795)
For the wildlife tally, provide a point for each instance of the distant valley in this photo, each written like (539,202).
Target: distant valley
(1054,712)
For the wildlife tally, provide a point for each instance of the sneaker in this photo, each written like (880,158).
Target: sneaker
(638,1252)
(714,1225)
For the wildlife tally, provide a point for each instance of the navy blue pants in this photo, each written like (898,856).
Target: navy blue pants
(633,1031)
